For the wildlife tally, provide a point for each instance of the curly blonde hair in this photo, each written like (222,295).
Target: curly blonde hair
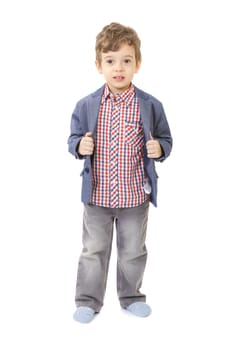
(113,36)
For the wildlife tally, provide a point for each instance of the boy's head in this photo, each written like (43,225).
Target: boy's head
(113,36)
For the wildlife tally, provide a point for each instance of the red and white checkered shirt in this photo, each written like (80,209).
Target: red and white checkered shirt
(118,163)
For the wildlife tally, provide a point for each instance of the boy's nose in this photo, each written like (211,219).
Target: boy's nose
(119,66)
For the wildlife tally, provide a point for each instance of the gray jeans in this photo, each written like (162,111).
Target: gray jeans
(98,224)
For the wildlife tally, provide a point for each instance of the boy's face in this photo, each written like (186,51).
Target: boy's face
(118,68)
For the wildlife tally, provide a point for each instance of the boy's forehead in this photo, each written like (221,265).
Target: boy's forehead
(124,50)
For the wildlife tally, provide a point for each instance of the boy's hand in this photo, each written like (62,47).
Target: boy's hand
(86,145)
(153,147)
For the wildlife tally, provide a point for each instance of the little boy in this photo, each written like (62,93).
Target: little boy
(119,131)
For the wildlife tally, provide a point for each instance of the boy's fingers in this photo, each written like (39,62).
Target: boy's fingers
(88,134)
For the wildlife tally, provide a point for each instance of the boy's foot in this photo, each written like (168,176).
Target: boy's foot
(84,314)
(139,309)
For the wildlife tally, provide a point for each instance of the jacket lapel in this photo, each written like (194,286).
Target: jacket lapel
(93,110)
(145,113)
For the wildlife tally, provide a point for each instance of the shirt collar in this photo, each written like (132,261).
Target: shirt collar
(125,96)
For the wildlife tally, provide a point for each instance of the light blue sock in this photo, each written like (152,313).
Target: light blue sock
(140,309)
(84,314)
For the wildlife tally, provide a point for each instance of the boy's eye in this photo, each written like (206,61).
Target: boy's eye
(109,61)
(127,61)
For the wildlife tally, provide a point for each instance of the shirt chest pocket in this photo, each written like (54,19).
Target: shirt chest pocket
(134,135)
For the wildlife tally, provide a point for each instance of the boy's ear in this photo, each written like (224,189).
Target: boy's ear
(98,66)
(138,65)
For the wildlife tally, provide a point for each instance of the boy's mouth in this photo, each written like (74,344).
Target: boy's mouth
(118,78)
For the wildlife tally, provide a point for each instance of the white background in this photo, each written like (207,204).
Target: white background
(47,65)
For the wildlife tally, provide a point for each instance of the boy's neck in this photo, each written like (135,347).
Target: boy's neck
(121,92)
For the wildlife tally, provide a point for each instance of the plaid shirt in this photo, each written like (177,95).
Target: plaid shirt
(118,163)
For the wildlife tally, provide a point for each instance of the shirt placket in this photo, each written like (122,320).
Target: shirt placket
(114,152)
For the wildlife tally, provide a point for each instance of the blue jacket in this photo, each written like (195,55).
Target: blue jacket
(84,119)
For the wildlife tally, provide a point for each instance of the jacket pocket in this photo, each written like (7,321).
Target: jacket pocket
(85,171)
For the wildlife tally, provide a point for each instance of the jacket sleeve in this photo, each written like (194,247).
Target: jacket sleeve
(77,129)
(161,131)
